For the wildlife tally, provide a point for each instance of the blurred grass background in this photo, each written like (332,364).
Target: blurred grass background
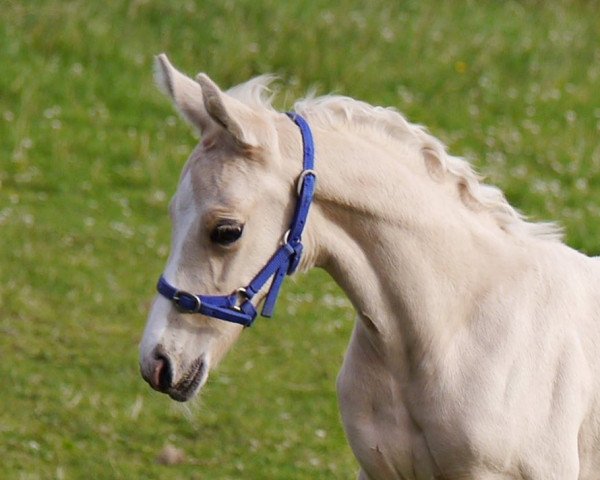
(90,154)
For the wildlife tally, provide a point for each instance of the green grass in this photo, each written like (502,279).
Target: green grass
(90,153)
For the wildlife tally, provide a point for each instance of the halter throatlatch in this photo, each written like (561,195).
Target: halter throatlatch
(238,307)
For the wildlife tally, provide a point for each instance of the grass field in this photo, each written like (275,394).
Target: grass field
(90,153)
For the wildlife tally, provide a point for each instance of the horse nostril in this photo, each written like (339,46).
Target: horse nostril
(163,374)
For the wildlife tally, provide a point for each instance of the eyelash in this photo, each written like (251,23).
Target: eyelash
(226,233)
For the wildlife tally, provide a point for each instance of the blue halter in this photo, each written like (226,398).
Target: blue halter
(237,307)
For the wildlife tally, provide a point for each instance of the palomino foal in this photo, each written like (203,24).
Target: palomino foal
(478,333)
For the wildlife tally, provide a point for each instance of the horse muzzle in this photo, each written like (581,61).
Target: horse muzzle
(159,370)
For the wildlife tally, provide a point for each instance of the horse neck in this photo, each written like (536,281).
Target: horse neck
(410,255)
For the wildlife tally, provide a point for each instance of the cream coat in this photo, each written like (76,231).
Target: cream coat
(475,351)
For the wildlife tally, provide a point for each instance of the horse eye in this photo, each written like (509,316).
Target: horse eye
(226,233)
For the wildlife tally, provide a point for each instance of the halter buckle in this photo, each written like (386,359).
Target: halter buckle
(181,299)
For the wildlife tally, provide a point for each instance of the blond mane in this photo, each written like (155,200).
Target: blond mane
(341,112)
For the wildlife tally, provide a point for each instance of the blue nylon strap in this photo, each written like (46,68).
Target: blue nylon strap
(216,306)
(269,304)
(238,308)
(281,256)
(304,202)
(308,177)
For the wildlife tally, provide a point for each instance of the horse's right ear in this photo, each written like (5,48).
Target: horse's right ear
(185,92)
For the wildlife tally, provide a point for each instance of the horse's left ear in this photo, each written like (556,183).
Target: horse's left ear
(224,110)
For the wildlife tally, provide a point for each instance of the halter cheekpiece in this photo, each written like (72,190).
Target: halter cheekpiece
(238,307)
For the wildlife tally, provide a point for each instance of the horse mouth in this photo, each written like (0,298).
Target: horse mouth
(190,383)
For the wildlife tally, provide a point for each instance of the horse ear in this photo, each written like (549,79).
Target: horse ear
(185,93)
(222,108)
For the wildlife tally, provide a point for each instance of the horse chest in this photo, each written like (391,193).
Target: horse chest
(405,431)
(390,443)
(381,430)
(385,440)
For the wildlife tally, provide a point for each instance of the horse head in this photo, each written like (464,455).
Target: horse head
(231,209)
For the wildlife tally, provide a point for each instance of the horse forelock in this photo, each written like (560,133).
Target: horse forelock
(340,112)
(256,92)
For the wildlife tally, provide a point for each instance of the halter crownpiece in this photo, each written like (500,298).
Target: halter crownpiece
(237,307)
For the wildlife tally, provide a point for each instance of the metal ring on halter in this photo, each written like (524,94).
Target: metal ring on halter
(285,238)
(241,292)
(300,181)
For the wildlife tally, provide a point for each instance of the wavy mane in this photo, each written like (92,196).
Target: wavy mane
(344,112)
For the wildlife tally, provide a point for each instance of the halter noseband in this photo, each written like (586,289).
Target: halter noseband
(237,307)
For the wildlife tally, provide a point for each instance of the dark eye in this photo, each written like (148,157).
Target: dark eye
(226,233)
